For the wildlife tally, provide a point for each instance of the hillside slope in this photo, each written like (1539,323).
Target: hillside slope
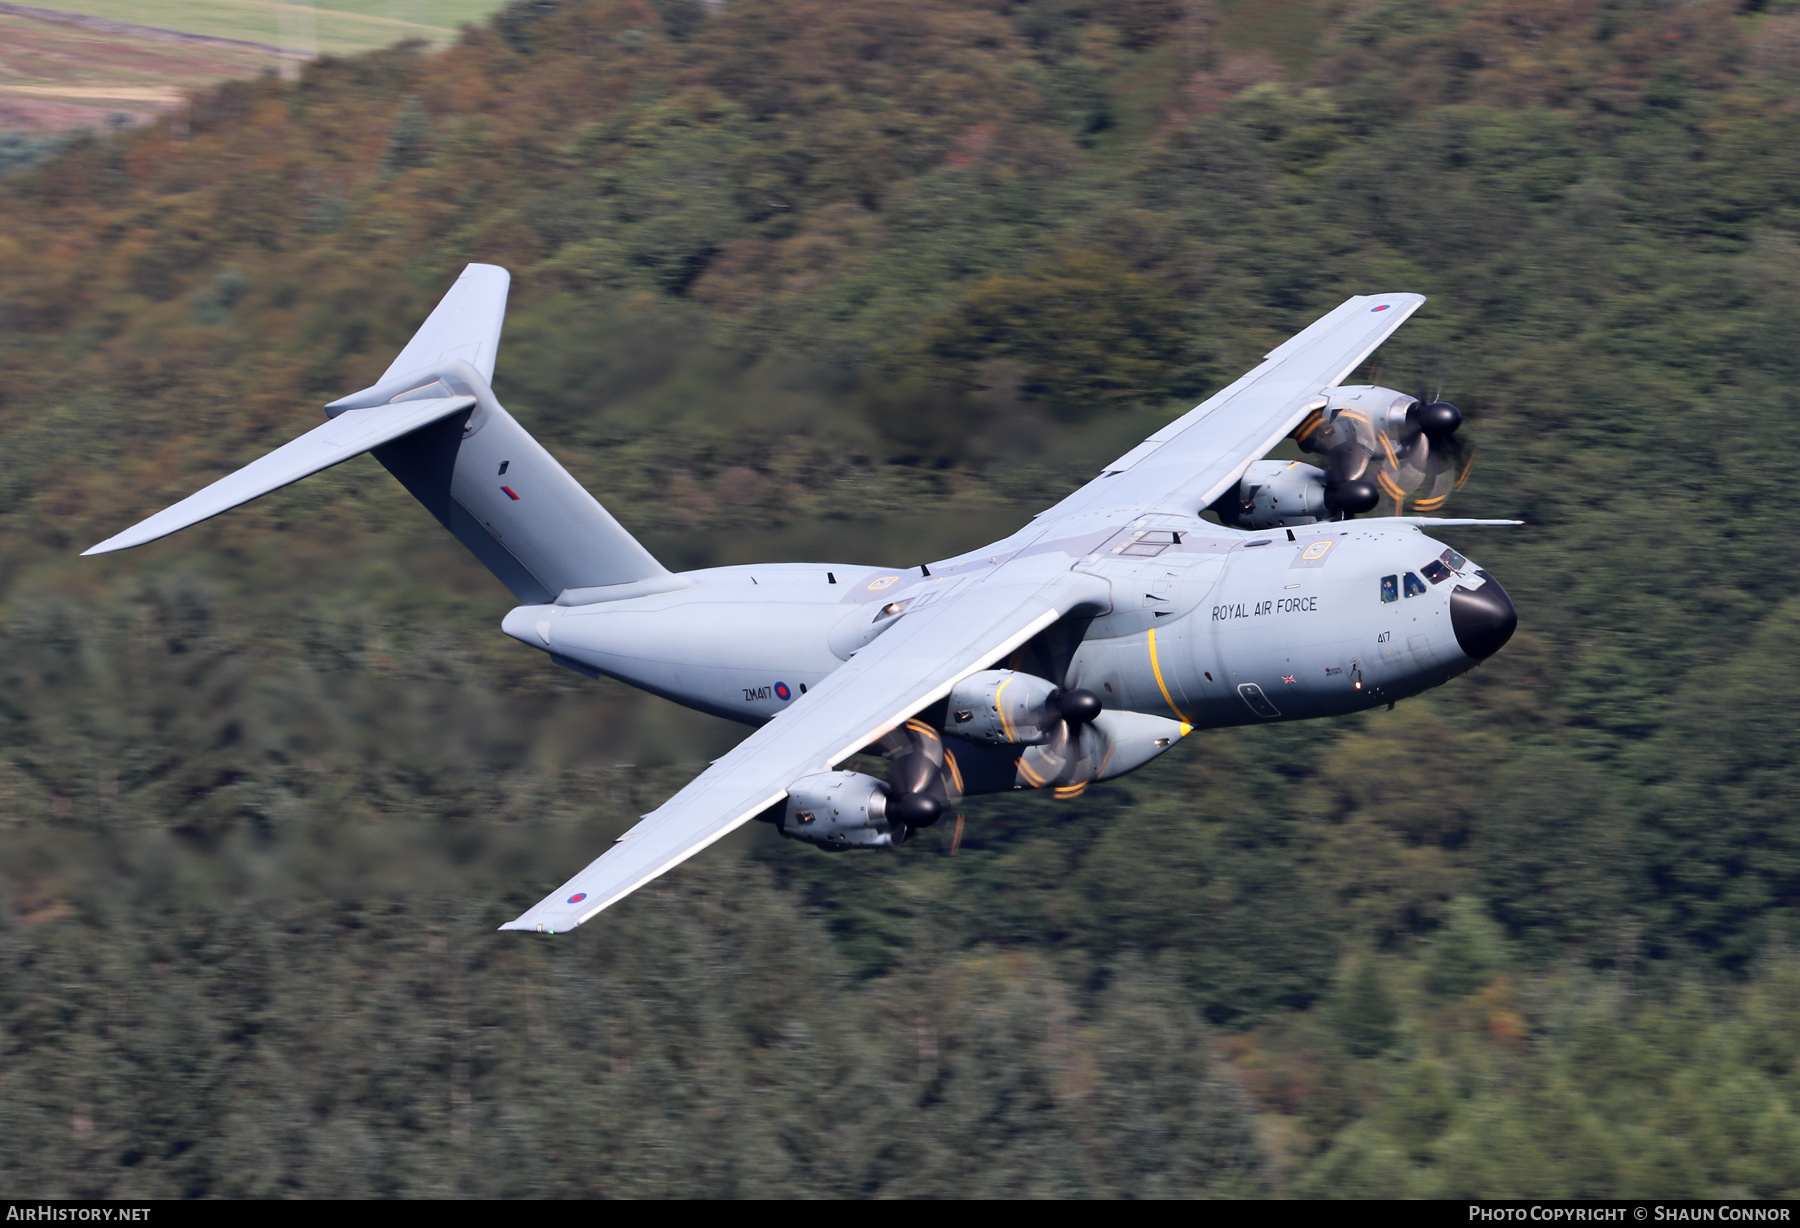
(871,279)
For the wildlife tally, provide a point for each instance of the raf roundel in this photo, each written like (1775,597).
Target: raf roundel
(1383,307)
(578,897)
(782,692)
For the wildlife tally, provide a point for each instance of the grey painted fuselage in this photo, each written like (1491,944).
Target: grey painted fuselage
(1208,627)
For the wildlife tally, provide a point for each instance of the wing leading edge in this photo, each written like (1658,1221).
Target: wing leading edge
(908,668)
(1197,457)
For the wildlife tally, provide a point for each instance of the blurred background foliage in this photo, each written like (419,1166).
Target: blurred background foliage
(851,279)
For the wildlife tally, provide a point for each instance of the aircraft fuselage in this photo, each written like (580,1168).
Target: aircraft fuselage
(1208,626)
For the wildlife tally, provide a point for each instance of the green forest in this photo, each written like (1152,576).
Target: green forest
(876,280)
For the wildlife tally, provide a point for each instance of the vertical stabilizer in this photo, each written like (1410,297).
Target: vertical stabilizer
(466,325)
(433,421)
(482,474)
(510,502)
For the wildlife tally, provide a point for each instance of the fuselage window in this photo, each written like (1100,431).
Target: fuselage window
(1436,572)
(1415,587)
(1390,588)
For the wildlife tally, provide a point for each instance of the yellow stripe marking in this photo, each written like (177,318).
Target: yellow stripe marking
(1037,782)
(955,772)
(1156,668)
(1000,706)
(1066,793)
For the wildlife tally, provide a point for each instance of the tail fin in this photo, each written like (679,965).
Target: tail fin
(434,423)
(465,324)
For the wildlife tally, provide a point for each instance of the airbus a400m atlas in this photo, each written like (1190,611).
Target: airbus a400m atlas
(1078,649)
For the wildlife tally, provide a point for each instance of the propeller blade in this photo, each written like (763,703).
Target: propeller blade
(1347,463)
(1060,760)
(917,775)
(914,772)
(1451,462)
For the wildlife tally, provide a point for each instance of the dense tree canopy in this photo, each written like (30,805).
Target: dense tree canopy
(873,279)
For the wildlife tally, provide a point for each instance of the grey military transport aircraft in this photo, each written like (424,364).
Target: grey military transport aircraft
(1078,649)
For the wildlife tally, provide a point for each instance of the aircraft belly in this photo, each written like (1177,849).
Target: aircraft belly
(743,660)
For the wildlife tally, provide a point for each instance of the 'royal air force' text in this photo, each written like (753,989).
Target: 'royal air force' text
(1281,605)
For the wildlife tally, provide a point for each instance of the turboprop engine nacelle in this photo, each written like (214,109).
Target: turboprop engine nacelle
(1280,494)
(840,810)
(1000,707)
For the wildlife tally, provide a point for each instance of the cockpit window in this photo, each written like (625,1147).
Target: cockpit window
(1436,572)
(1453,560)
(1390,588)
(1415,587)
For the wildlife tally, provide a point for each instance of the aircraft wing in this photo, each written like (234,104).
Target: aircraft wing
(911,666)
(1200,455)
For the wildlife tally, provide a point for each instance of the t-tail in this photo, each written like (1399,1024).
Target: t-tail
(432,420)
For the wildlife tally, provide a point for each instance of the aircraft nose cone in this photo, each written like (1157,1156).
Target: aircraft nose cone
(1483,618)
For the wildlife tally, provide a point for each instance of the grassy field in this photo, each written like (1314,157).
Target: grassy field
(56,77)
(342,26)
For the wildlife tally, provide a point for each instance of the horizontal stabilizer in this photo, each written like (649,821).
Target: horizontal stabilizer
(349,434)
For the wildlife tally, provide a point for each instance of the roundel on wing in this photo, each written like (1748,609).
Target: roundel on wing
(1383,307)
(782,692)
(578,897)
